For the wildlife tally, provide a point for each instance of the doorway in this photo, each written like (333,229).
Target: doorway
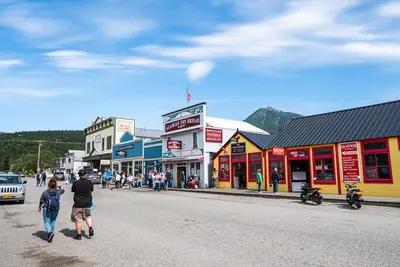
(299,174)
(179,170)
(239,171)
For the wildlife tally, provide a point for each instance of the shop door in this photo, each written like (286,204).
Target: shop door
(239,172)
(299,174)
(179,170)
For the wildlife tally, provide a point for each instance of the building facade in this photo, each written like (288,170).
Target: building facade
(74,161)
(152,156)
(100,138)
(191,138)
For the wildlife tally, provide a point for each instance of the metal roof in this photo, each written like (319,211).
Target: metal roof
(261,140)
(369,122)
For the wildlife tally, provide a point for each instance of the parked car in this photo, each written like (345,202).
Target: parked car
(12,188)
(59,176)
(93,176)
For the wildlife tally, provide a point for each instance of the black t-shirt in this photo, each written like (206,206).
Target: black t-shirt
(83,193)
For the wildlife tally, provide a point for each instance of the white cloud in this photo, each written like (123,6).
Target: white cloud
(199,70)
(123,28)
(36,93)
(7,63)
(146,62)
(390,9)
(378,51)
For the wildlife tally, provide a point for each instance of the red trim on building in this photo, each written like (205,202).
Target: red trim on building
(398,141)
(271,159)
(237,161)
(249,161)
(323,157)
(338,169)
(220,176)
(264,153)
(290,158)
(376,151)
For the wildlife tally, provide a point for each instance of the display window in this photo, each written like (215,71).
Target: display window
(223,168)
(324,165)
(376,161)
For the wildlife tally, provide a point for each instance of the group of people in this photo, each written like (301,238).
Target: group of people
(41,178)
(82,209)
(160,180)
(121,179)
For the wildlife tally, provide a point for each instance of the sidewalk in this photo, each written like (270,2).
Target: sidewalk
(368,200)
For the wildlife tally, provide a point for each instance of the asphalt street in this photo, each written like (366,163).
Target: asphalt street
(144,228)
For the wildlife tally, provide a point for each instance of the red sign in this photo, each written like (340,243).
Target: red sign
(213,135)
(278,151)
(350,166)
(183,123)
(173,144)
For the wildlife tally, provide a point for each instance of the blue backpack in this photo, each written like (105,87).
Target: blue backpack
(52,201)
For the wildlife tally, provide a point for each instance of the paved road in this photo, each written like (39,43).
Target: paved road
(142,228)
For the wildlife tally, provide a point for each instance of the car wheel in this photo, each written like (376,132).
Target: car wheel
(21,201)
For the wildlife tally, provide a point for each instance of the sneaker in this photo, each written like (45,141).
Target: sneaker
(50,237)
(91,232)
(78,237)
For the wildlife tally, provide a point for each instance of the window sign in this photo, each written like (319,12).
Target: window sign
(350,165)
(238,148)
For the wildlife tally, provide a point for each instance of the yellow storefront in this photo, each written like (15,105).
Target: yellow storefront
(239,159)
(329,150)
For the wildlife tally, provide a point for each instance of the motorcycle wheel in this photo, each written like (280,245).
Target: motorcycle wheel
(303,198)
(318,201)
(358,204)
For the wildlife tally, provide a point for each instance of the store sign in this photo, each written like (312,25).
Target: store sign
(184,113)
(182,124)
(350,163)
(124,126)
(213,135)
(297,153)
(98,138)
(174,144)
(121,153)
(105,162)
(168,155)
(126,147)
(278,151)
(238,148)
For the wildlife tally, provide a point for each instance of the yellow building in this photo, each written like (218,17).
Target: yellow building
(240,158)
(329,150)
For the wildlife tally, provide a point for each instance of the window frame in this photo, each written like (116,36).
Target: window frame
(249,161)
(220,162)
(398,142)
(375,152)
(323,158)
(195,137)
(103,143)
(109,144)
(88,148)
(272,159)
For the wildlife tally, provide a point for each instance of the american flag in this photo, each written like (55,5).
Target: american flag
(188,96)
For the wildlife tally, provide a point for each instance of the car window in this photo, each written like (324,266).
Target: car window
(10,180)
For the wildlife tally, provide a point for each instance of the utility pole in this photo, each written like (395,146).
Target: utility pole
(38,160)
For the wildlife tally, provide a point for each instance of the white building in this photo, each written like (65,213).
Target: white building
(74,161)
(191,138)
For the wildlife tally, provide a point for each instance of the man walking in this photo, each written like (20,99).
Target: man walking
(43,179)
(38,179)
(183,178)
(275,179)
(259,180)
(81,211)
(169,178)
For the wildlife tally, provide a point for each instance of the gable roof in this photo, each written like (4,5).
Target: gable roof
(260,140)
(233,124)
(369,122)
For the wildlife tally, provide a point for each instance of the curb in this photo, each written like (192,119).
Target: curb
(271,196)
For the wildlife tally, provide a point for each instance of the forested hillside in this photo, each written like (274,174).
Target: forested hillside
(18,151)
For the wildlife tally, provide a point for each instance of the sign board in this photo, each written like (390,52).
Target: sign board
(184,113)
(125,126)
(350,162)
(213,135)
(183,123)
(126,147)
(121,153)
(174,144)
(98,138)
(238,148)
(105,162)
(278,151)
(168,155)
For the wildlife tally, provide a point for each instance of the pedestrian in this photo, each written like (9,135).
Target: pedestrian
(123,180)
(169,179)
(259,180)
(83,202)
(72,177)
(275,179)
(214,178)
(149,178)
(157,178)
(44,176)
(117,180)
(182,178)
(163,181)
(139,180)
(38,179)
(66,178)
(50,203)
(104,180)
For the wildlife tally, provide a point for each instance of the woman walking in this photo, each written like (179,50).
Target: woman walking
(50,203)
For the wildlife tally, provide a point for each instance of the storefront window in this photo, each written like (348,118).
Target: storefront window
(195,169)
(279,163)
(88,147)
(376,161)
(255,163)
(324,165)
(239,158)
(223,168)
(138,168)
(109,142)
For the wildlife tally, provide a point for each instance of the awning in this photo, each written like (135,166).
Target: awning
(190,158)
(96,157)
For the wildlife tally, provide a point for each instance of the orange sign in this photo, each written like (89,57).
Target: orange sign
(278,151)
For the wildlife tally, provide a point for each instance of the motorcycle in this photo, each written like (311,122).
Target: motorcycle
(312,194)
(353,196)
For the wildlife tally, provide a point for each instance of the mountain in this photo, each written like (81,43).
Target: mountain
(270,119)
(18,151)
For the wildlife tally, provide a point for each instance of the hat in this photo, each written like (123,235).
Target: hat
(82,173)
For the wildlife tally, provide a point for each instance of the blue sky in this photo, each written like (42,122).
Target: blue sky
(63,63)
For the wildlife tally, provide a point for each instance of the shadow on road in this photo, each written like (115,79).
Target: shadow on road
(346,207)
(304,203)
(41,234)
(71,233)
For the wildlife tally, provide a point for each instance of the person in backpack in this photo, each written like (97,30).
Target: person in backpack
(43,179)
(50,204)
(38,179)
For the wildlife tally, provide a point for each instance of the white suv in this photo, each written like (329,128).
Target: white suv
(12,188)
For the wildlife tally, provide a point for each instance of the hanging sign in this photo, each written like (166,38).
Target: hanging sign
(278,151)
(350,164)
(213,135)
(183,123)
(238,148)
(121,153)
(174,144)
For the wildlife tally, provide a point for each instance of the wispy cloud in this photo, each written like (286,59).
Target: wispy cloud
(36,93)
(123,28)
(152,63)
(198,70)
(390,9)
(7,63)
